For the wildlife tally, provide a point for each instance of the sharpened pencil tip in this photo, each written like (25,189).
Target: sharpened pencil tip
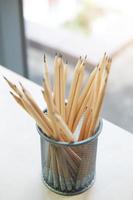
(21,86)
(60,55)
(107,58)
(11,93)
(5,78)
(44,58)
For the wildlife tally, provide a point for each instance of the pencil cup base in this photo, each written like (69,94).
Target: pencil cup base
(70,193)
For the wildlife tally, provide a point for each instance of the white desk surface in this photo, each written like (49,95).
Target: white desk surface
(20,166)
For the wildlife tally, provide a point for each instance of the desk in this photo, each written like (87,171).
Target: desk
(20,165)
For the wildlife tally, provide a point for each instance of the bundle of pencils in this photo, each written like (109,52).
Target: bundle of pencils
(63,115)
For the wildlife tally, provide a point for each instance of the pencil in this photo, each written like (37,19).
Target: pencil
(72,89)
(75,99)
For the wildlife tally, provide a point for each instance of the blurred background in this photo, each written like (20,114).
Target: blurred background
(30,28)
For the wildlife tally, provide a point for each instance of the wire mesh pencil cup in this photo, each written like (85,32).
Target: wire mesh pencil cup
(68,168)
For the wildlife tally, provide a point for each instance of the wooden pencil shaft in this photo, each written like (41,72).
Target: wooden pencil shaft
(98,107)
(36,107)
(60,172)
(55,64)
(87,116)
(70,98)
(69,159)
(100,74)
(66,173)
(73,155)
(72,89)
(62,90)
(75,98)
(98,81)
(50,174)
(97,110)
(27,107)
(82,171)
(54,167)
(57,82)
(64,127)
(50,109)
(46,165)
(96,87)
(86,88)
(18,100)
(46,74)
(108,65)
(60,86)
(47,100)
(88,123)
(36,116)
(50,113)
(13,87)
(82,108)
(91,125)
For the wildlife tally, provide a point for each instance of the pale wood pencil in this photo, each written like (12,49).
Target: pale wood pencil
(72,89)
(62,90)
(60,172)
(64,128)
(29,108)
(54,83)
(54,166)
(65,169)
(18,100)
(97,111)
(50,105)
(98,81)
(36,107)
(75,98)
(46,74)
(86,88)
(82,108)
(45,128)
(87,116)
(13,87)
(57,83)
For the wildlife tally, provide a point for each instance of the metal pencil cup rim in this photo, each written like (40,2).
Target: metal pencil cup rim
(66,144)
(77,143)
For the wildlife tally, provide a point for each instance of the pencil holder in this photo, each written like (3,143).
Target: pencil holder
(68,168)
